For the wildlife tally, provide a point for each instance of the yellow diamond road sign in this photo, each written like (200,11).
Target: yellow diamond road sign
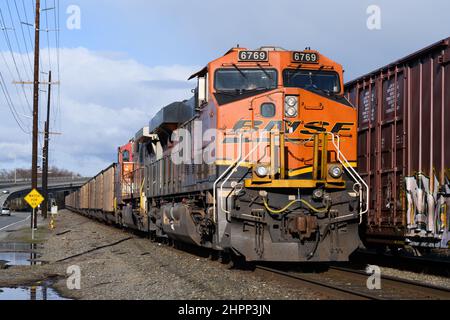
(34,199)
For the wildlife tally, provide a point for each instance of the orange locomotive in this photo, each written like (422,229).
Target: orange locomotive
(260,163)
(268,155)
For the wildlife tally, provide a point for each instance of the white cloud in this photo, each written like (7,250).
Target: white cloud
(105,100)
(9,151)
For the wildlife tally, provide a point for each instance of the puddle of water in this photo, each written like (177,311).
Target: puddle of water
(19,254)
(29,293)
(20,258)
(14,246)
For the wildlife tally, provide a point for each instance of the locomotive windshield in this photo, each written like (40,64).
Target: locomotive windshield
(125,156)
(312,80)
(243,80)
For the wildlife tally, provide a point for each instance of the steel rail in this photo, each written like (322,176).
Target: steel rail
(393,280)
(338,290)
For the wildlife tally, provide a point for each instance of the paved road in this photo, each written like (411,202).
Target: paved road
(4,197)
(16,221)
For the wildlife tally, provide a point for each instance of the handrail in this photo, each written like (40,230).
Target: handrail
(231,173)
(355,176)
(335,139)
(222,176)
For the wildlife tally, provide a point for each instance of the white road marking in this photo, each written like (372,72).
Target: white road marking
(13,224)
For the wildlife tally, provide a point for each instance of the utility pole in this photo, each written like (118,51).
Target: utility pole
(34,164)
(45,153)
(15,168)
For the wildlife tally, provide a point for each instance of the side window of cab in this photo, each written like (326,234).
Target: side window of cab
(126,156)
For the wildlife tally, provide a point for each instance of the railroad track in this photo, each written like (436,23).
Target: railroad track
(439,266)
(313,282)
(341,283)
(350,284)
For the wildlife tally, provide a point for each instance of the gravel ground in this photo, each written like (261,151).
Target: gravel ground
(138,269)
(132,268)
(423,278)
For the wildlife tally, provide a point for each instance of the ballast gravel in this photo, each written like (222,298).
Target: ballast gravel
(117,265)
(138,269)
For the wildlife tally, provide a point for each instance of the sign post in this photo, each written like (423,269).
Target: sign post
(34,199)
(32,223)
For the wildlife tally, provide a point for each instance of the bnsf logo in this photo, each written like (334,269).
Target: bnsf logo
(296,126)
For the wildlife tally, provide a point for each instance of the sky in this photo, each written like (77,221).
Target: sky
(120,61)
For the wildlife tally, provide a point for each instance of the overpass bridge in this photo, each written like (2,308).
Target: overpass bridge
(19,189)
(10,183)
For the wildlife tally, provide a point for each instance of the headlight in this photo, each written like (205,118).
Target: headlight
(291,106)
(336,172)
(291,112)
(291,101)
(262,171)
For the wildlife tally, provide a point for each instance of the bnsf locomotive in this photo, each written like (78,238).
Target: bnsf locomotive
(259,163)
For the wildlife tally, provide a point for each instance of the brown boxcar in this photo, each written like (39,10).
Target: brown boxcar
(99,192)
(70,200)
(108,189)
(84,197)
(92,194)
(404,147)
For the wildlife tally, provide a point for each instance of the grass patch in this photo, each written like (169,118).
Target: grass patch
(24,235)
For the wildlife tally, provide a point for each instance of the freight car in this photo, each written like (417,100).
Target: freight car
(259,163)
(404,148)
(97,197)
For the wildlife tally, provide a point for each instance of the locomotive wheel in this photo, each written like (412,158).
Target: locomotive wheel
(394,250)
(224,257)
(214,255)
(233,261)
(239,262)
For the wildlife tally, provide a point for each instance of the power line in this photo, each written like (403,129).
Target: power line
(23,35)
(58,46)
(19,95)
(56,14)
(16,38)
(17,90)
(55,53)
(27,22)
(27,46)
(11,104)
(48,37)
(8,42)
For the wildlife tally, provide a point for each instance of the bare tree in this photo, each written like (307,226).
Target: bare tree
(54,172)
